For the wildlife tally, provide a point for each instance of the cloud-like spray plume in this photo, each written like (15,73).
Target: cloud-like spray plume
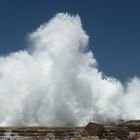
(56,81)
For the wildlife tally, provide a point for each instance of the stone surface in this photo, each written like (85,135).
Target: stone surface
(129,130)
(94,129)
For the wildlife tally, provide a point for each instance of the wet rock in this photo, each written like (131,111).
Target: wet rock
(95,129)
(132,125)
(115,131)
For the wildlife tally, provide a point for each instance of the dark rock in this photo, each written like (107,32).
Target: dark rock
(132,125)
(94,129)
(116,131)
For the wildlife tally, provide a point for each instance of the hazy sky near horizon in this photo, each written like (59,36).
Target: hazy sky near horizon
(113,27)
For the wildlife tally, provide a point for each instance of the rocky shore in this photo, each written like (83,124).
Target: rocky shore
(129,130)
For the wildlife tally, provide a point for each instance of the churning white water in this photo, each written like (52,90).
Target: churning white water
(56,81)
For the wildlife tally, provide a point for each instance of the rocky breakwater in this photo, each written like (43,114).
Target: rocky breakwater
(129,130)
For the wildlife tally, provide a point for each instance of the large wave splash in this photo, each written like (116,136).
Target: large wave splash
(56,82)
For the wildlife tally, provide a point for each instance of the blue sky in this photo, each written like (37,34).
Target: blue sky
(113,27)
